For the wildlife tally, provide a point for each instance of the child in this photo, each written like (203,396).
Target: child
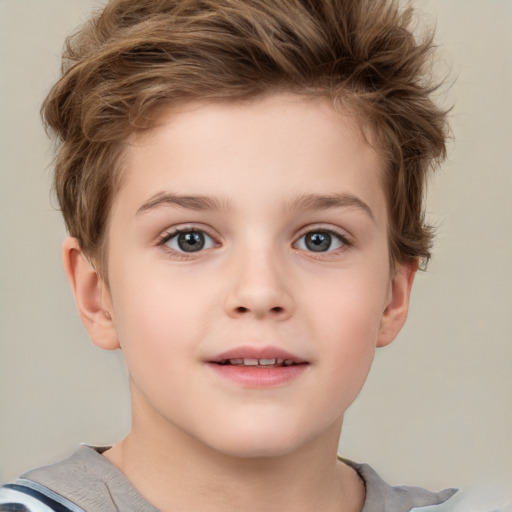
(242,182)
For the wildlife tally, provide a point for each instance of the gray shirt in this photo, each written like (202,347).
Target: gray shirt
(87,481)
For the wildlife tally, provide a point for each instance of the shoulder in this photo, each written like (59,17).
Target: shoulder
(86,481)
(22,498)
(478,498)
(382,497)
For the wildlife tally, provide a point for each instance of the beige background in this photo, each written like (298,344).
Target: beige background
(437,409)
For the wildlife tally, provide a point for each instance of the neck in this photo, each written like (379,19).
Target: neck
(174,471)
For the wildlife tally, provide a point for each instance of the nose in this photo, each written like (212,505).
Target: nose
(259,286)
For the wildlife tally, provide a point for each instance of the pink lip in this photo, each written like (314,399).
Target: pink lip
(258,377)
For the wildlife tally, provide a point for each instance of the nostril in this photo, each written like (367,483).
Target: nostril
(275,310)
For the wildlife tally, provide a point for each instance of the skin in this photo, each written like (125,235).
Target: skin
(200,441)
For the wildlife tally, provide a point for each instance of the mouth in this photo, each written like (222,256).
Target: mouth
(258,362)
(262,367)
(258,357)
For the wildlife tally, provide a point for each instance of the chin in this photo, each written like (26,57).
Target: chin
(259,443)
(252,450)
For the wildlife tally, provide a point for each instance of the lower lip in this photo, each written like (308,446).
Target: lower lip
(258,377)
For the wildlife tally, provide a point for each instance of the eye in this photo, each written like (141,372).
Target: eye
(191,240)
(321,241)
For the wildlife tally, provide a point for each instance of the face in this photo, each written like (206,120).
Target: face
(249,278)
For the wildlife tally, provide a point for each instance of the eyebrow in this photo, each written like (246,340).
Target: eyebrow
(189,202)
(300,203)
(326,202)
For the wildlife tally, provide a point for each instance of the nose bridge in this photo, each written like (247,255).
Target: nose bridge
(259,285)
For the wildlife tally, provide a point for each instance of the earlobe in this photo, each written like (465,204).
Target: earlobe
(91,295)
(395,313)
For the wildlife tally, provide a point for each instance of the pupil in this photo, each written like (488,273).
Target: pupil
(318,242)
(191,241)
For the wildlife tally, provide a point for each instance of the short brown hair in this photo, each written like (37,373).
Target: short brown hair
(137,56)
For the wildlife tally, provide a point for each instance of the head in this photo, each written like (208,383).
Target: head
(256,132)
(136,58)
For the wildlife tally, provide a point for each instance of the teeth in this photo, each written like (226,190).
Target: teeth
(260,362)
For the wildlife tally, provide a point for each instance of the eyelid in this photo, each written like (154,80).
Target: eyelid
(328,228)
(171,231)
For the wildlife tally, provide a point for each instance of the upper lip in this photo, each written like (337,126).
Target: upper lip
(251,352)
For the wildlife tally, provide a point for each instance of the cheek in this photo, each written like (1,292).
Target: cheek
(150,331)
(142,313)
(350,304)
(347,317)
(160,318)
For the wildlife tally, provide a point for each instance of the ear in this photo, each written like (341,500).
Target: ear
(91,295)
(395,314)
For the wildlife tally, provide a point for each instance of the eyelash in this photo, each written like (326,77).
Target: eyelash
(345,243)
(175,233)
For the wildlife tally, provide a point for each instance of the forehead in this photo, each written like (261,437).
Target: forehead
(280,143)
